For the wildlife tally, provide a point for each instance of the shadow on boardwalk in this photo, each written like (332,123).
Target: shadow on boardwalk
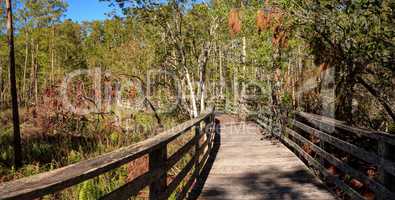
(197,189)
(266,185)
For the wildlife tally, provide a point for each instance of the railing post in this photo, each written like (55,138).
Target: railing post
(386,151)
(197,148)
(157,160)
(207,124)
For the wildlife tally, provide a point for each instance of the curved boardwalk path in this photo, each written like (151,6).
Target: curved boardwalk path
(248,166)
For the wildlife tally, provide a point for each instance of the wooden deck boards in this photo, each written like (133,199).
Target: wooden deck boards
(249,167)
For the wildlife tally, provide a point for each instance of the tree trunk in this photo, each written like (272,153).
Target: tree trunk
(378,97)
(203,58)
(155,112)
(235,89)
(32,70)
(192,93)
(1,84)
(276,86)
(244,55)
(36,78)
(343,101)
(182,61)
(52,55)
(293,81)
(300,77)
(25,67)
(221,74)
(14,94)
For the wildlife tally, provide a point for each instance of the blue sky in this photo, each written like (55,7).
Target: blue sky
(87,10)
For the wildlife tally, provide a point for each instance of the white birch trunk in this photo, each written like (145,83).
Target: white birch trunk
(192,93)
(221,75)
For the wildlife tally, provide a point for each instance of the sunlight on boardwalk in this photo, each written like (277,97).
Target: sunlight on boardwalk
(247,167)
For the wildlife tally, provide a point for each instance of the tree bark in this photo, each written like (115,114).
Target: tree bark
(221,74)
(192,93)
(244,55)
(25,67)
(36,78)
(155,112)
(344,95)
(14,94)
(52,55)
(203,59)
(1,83)
(32,70)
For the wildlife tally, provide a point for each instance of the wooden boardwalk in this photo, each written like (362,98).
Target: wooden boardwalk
(247,166)
(240,162)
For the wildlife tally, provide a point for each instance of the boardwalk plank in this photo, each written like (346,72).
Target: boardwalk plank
(247,167)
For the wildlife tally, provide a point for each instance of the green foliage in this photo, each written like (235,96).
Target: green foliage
(87,191)
(40,150)
(353,35)
(145,120)
(114,137)
(286,99)
(356,32)
(391,128)
(74,156)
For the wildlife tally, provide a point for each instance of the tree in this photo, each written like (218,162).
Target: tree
(14,94)
(351,36)
(39,20)
(188,39)
(3,52)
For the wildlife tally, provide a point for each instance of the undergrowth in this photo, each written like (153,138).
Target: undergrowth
(50,146)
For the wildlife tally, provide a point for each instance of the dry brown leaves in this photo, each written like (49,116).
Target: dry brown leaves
(234,22)
(263,20)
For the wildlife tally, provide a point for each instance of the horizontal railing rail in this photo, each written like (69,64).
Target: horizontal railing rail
(304,127)
(336,126)
(156,178)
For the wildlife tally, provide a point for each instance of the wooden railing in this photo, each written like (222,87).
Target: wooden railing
(325,137)
(220,104)
(156,177)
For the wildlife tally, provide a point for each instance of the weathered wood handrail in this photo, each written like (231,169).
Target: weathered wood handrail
(305,126)
(156,178)
(329,124)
